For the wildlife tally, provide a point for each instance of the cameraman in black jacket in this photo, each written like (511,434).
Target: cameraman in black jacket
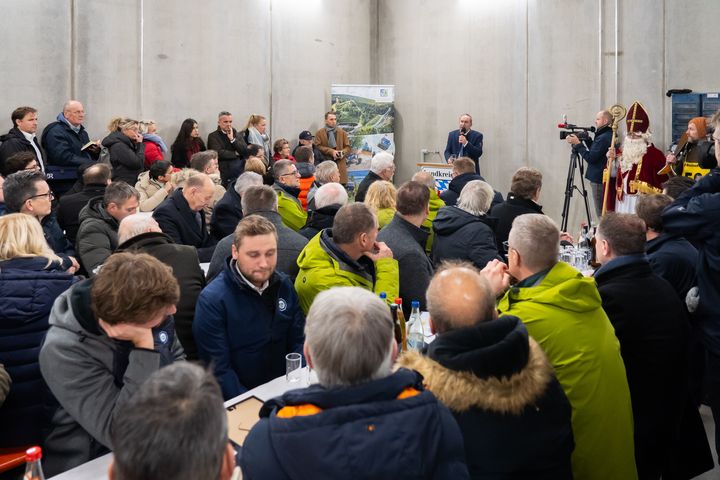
(594,153)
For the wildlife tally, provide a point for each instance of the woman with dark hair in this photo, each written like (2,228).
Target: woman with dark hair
(187,144)
(31,278)
(154,185)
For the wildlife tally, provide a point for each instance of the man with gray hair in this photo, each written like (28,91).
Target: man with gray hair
(354,419)
(325,172)
(181,217)
(464,231)
(231,148)
(382,167)
(261,200)
(142,234)
(63,141)
(143,425)
(287,186)
(328,200)
(563,311)
(348,254)
(228,211)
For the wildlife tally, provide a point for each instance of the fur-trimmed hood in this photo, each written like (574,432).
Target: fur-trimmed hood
(462,390)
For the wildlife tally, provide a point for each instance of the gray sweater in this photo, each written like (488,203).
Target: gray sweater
(79,362)
(407,243)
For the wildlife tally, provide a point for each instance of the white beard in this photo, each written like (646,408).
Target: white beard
(633,150)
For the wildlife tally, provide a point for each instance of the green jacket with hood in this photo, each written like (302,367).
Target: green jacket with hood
(563,313)
(436,203)
(323,265)
(290,209)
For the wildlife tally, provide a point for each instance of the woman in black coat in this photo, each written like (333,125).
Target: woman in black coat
(31,278)
(187,144)
(465,232)
(127,150)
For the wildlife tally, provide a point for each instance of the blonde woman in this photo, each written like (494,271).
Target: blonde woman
(381,198)
(254,164)
(127,151)
(255,133)
(31,278)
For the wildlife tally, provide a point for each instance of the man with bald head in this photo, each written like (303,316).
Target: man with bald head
(181,217)
(594,153)
(63,141)
(465,142)
(496,380)
(436,203)
(141,234)
(563,311)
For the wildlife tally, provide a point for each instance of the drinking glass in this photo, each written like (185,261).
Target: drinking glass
(293,367)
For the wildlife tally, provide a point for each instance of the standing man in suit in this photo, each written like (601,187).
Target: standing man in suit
(22,136)
(334,144)
(465,142)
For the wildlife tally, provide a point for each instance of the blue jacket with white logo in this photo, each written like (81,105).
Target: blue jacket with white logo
(244,335)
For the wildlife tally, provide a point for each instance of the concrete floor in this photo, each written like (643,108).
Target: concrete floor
(710,430)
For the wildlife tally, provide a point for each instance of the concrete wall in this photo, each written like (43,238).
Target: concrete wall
(172,60)
(518,65)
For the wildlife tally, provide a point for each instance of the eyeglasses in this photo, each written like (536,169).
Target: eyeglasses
(293,173)
(49,194)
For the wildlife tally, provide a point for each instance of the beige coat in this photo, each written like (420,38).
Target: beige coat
(152,192)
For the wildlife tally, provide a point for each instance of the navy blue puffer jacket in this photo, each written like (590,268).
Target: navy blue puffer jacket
(385,428)
(28,289)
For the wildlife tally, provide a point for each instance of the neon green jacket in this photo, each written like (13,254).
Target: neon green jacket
(385,216)
(322,268)
(290,210)
(435,204)
(563,312)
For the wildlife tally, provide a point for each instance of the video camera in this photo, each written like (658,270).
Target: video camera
(582,133)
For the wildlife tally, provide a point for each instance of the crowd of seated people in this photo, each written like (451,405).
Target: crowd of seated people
(535,371)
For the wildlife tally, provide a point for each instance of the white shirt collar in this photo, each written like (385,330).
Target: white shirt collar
(250,284)
(31,138)
(28,136)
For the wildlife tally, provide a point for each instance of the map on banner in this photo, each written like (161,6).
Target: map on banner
(367,114)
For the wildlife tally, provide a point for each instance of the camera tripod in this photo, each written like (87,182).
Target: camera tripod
(570,187)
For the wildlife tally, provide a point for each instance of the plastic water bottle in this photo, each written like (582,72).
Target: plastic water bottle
(33,469)
(416,331)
